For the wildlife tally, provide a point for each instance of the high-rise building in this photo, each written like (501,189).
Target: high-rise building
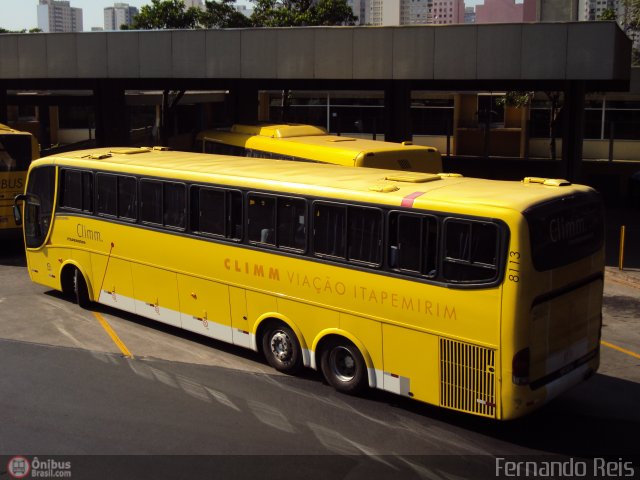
(359,9)
(589,10)
(59,16)
(506,11)
(446,12)
(415,12)
(118,15)
(469,15)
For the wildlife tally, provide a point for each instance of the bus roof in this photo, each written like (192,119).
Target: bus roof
(389,187)
(306,141)
(5,129)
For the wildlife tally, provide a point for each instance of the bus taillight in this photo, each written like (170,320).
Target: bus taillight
(521,363)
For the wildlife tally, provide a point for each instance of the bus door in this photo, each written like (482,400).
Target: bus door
(205,307)
(239,316)
(37,219)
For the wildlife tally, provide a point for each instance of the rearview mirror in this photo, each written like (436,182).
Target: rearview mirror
(17,213)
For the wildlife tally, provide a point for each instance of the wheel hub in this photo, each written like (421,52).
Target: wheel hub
(281,346)
(343,364)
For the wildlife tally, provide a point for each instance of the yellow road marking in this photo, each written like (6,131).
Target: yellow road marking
(114,336)
(620,349)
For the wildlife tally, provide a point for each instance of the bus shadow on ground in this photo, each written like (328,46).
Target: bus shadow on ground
(597,418)
(12,253)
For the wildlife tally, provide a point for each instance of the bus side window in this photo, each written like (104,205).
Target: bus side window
(292,231)
(216,211)
(262,219)
(151,201)
(127,204)
(87,192)
(107,193)
(235,225)
(329,229)
(71,191)
(76,190)
(208,210)
(174,205)
(365,235)
(470,251)
(413,243)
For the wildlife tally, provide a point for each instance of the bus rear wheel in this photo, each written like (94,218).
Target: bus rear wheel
(282,348)
(343,366)
(80,290)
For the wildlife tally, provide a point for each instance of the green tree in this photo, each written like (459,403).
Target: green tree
(333,12)
(163,14)
(222,14)
(24,30)
(631,25)
(629,20)
(608,14)
(298,13)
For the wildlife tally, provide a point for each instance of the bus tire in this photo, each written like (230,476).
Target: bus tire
(80,290)
(282,348)
(343,366)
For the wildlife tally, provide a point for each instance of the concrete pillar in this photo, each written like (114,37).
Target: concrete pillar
(4,117)
(112,122)
(573,130)
(397,111)
(45,127)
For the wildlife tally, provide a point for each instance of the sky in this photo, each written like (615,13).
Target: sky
(21,14)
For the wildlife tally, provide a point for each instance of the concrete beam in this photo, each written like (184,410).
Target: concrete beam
(589,51)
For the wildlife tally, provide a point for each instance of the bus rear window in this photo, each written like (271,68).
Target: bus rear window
(565,230)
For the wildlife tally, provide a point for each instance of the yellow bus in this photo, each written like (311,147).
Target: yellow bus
(475,295)
(17,149)
(313,144)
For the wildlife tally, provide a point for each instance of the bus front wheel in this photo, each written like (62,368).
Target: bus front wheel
(282,348)
(343,366)
(80,289)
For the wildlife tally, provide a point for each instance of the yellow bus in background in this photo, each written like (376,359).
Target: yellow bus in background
(313,144)
(17,149)
(475,295)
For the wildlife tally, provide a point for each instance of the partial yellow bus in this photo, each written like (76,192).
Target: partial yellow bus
(313,144)
(17,149)
(474,295)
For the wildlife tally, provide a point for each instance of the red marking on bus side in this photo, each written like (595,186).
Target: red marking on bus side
(409,199)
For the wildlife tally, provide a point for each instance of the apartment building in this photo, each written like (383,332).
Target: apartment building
(118,15)
(59,16)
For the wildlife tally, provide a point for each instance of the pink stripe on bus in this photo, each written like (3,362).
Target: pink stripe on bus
(408,200)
